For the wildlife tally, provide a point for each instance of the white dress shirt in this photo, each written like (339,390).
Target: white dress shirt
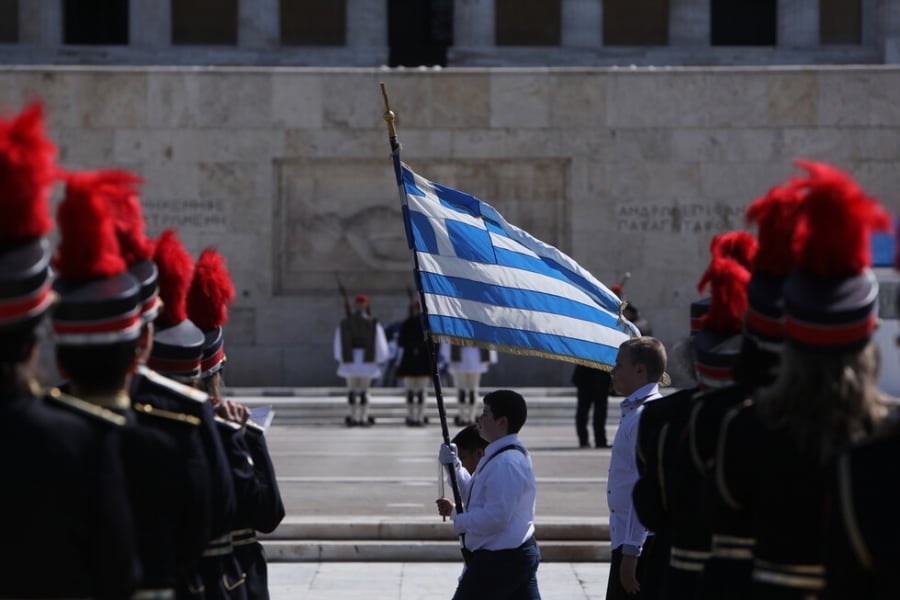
(499,513)
(624,526)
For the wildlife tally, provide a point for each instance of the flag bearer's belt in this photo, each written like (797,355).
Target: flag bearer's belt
(688,560)
(220,546)
(806,577)
(154,594)
(732,547)
(242,537)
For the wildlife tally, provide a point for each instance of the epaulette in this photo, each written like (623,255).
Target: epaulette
(86,408)
(175,386)
(226,422)
(147,409)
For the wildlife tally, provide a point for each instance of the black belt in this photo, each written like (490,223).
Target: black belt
(527,543)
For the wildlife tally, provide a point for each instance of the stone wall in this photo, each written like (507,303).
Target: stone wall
(287,172)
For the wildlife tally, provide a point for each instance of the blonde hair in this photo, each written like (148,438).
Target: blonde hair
(825,401)
(650,352)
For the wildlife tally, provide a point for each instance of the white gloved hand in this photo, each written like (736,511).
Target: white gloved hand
(448,455)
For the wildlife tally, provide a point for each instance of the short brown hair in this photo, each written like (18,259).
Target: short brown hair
(650,352)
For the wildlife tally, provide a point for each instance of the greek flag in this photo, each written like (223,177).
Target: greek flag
(490,284)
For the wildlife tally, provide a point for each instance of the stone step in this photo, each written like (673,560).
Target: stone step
(415,551)
(430,529)
(318,539)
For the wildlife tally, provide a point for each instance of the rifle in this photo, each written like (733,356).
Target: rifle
(343,292)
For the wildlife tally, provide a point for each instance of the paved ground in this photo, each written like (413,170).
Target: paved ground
(418,581)
(390,471)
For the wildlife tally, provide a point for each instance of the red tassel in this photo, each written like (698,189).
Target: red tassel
(125,207)
(834,234)
(211,291)
(728,281)
(27,174)
(776,216)
(176,268)
(740,246)
(88,248)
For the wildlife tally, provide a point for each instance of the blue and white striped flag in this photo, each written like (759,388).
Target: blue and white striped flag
(491,284)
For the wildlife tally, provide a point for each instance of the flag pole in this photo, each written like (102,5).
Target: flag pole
(389,117)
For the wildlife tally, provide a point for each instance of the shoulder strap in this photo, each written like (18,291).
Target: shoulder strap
(83,407)
(151,410)
(500,451)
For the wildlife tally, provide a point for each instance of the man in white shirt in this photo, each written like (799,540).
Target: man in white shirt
(640,365)
(497,527)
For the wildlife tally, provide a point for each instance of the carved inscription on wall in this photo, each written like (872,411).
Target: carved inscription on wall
(694,218)
(205,213)
(344,218)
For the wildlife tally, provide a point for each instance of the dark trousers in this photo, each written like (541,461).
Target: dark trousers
(648,574)
(501,575)
(592,390)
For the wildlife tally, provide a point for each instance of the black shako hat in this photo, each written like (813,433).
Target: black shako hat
(831,298)
(27,174)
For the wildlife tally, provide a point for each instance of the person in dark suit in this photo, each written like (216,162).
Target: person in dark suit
(416,364)
(592,392)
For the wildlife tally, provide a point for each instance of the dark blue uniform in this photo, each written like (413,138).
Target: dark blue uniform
(149,387)
(68,530)
(169,494)
(726,575)
(761,471)
(260,508)
(862,549)
(223,577)
(649,497)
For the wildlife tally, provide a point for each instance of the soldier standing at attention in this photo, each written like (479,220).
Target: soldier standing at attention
(467,364)
(360,347)
(415,367)
(66,483)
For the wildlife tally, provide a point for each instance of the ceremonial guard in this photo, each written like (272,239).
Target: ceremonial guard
(96,325)
(416,364)
(259,504)
(360,347)
(726,574)
(467,364)
(66,489)
(175,365)
(773,454)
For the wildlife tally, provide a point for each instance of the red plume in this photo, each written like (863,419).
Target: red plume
(27,174)
(211,291)
(776,216)
(176,267)
(834,234)
(740,246)
(125,208)
(88,248)
(728,280)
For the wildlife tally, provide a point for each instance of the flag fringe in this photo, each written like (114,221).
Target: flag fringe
(459,341)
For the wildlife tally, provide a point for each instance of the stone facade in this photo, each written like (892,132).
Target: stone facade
(366,27)
(287,172)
